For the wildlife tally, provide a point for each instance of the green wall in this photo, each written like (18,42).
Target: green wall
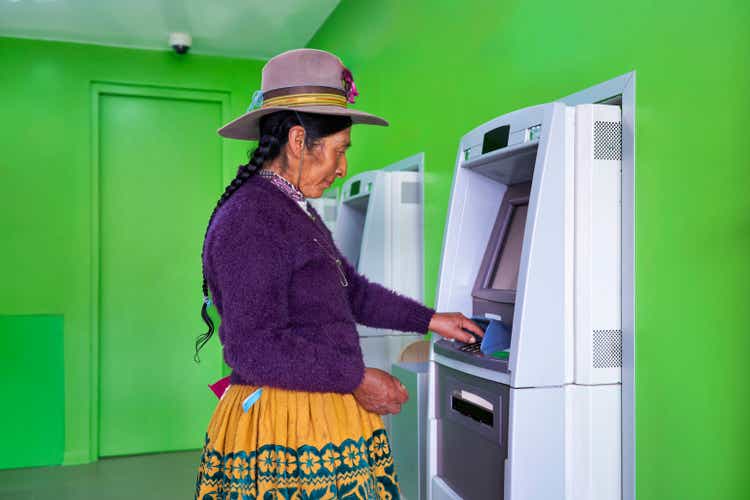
(31,368)
(45,189)
(437,68)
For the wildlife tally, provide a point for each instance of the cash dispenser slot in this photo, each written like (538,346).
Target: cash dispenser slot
(474,407)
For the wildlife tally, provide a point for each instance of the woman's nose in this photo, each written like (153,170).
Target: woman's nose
(341,170)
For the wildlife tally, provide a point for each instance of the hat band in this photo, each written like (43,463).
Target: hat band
(307,99)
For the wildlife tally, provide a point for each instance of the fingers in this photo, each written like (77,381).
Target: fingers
(471,326)
(382,408)
(394,409)
(385,409)
(397,393)
(458,333)
(456,326)
(381,393)
(453,331)
(405,393)
(464,336)
(401,394)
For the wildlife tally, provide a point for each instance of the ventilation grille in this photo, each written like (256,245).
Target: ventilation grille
(607,348)
(607,140)
(410,192)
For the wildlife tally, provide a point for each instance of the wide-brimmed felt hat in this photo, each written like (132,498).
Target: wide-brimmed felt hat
(305,80)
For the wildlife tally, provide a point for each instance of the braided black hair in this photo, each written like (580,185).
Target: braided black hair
(274,134)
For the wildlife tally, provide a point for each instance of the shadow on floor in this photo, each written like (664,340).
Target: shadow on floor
(163,476)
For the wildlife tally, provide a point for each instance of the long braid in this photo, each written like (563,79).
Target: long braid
(268,148)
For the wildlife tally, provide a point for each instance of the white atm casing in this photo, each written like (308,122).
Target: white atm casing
(327,207)
(563,439)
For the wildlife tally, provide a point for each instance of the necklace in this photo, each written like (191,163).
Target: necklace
(288,189)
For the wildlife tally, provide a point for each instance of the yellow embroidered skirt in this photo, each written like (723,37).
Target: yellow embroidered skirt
(295,445)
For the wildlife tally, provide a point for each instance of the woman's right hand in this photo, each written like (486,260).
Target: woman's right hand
(455,326)
(380,392)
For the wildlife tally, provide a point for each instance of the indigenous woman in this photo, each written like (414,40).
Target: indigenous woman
(301,418)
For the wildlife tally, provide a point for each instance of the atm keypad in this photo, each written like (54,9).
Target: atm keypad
(472,348)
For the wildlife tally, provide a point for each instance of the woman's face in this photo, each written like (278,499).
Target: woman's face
(323,163)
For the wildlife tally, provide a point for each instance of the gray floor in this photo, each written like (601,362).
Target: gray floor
(163,476)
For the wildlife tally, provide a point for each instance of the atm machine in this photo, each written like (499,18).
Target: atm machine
(379,230)
(532,251)
(327,207)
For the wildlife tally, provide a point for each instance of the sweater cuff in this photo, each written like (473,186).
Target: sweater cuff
(419,318)
(356,380)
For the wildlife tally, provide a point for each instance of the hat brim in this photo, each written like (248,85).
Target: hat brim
(246,127)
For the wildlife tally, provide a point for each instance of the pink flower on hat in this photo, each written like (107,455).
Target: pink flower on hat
(349,86)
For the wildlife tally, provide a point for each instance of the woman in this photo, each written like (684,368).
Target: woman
(301,418)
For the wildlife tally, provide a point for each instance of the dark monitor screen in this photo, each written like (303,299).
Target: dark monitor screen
(505,274)
(497,278)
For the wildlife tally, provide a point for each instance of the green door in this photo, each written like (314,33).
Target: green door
(160,175)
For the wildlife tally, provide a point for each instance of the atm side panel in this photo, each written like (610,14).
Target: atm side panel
(535,468)
(598,334)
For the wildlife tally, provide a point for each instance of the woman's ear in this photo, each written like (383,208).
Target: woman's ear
(296,141)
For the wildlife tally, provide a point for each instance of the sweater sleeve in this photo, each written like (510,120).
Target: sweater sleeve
(376,306)
(253,268)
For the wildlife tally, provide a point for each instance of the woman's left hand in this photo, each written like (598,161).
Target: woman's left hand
(454,326)
(380,392)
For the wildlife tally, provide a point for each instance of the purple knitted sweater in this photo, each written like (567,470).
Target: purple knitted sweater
(287,320)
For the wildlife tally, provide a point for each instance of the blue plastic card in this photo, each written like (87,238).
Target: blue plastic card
(496,338)
(251,399)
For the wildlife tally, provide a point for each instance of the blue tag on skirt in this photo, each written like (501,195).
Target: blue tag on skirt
(251,399)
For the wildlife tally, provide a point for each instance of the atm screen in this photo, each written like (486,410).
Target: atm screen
(495,139)
(505,274)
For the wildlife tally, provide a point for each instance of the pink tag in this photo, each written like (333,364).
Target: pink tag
(220,387)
